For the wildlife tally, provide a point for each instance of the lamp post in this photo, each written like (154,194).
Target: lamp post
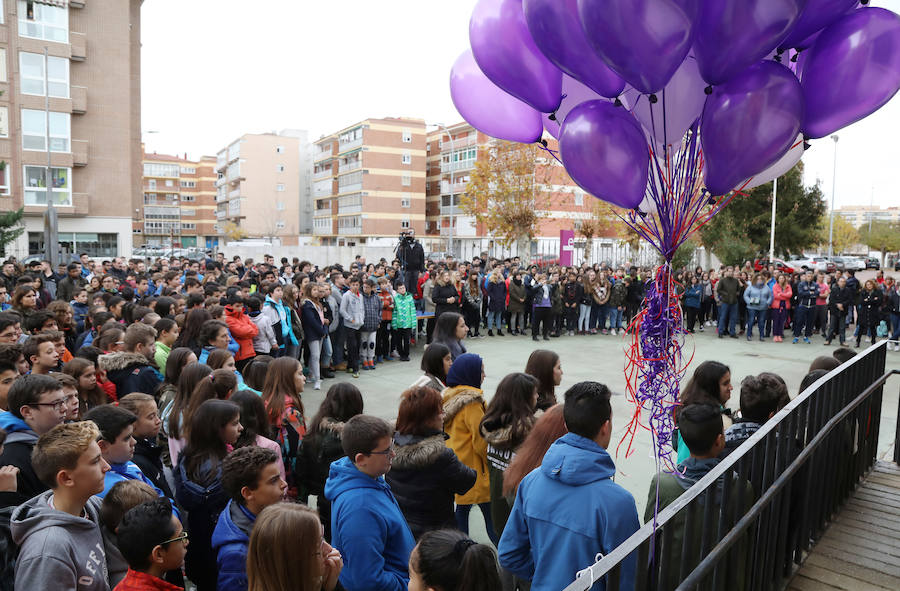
(833,191)
(772,231)
(452,182)
(51,221)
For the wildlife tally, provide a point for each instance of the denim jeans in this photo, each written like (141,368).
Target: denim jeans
(757,317)
(615,317)
(727,317)
(584,317)
(495,319)
(895,326)
(462,520)
(803,319)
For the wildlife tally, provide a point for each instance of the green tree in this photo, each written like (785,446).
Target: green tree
(741,230)
(10,227)
(883,236)
(844,235)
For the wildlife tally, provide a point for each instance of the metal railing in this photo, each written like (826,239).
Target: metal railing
(802,464)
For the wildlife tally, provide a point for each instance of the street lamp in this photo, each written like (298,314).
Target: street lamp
(452,182)
(833,190)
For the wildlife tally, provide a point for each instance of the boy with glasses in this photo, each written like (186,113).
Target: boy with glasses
(153,542)
(36,405)
(366,522)
(58,533)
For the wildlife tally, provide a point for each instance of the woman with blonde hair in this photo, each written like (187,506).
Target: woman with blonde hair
(287,551)
(312,318)
(496,291)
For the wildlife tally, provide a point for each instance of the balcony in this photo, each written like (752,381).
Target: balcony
(324,212)
(235,194)
(221,214)
(346,147)
(451,210)
(77,3)
(79,100)
(456,188)
(322,231)
(221,181)
(323,174)
(78,42)
(457,166)
(323,188)
(349,209)
(323,154)
(350,166)
(351,231)
(349,188)
(79,152)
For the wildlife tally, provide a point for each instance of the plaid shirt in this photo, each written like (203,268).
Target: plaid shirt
(138,581)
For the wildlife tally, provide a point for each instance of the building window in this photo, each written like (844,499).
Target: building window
(95,245)
(189,226)
(34,131)
(4,121)
(188,211)
(404,223)
(406,180)
(36,186)
(151,184)
(279,149)
(279,225)
(43,21)
(189,184)
(407,158)
(170,183)
(161,170)
(31,67)
(188,170)
(404,202)
(407,136)
(279,205)
(579,198)
(279,168)
(2,52)
(279,187)
(4,180)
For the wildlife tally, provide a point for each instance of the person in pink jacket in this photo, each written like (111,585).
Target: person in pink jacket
(781,303)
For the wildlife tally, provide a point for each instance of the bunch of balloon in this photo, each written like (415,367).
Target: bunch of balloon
(670,108)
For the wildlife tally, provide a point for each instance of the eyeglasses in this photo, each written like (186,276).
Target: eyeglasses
(385,452)
(182,538)
(57,405)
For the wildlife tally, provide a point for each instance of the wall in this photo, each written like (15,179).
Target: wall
(318,255)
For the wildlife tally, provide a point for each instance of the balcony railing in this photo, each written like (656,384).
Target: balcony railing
(455,166)
(325,211)
(322,154)
(451,210)
(221,214)
(349,188)
(346,147)
(319,231)
(323,174)
(348,166)
(352,230)
(349,208)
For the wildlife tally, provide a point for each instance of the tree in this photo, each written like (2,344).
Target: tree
(10,227)
(233,232)
(883,236)
(741,230)
(601,221)
(502,193)
(844,235)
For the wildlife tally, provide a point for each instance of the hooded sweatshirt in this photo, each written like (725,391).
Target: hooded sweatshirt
(58,550)
(369,529)
(20,440)
(130,372)
(548,541)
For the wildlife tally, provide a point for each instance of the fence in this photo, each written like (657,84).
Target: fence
(802,465)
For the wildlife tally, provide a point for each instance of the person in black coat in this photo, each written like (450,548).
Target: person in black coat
(840,300)
(444,295)
(425,474)
(870,299)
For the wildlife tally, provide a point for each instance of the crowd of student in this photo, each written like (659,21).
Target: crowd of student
(167,399)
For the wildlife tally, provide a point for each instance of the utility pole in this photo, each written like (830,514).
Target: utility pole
(772,231)
(833,191)
(452,182)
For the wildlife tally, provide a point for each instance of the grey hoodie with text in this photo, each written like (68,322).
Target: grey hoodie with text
(56,550)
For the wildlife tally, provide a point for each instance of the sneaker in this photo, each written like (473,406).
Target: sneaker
(749,336)
(612,331)
(605,331)
(701,328)
(317,385)
(734,336)
(355,374)
(796,340)
(807,341)
(499,333)
(404,359)
(721,336)
(761,339)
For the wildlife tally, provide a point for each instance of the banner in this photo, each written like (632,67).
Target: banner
(566,247)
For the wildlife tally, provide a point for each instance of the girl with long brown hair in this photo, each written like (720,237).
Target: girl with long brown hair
(550,427)
(284,408)
(546,367)
(89,393)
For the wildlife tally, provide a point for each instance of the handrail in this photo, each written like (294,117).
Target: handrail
(602,567)
(745,522)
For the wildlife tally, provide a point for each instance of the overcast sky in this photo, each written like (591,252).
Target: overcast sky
(213,70)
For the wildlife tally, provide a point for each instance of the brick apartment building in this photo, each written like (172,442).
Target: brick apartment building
(93,73)
(561,202)
(369,182)
(263,188)
(179,203)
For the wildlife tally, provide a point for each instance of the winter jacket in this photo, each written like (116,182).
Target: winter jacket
(20,440)
(842,296)
(546,540)
(127,471)
(440,294)
(501,447)
(463,411)
(496,296)
(517,296)
(618,293)
(352,310)
(807,292)
(572,293)
(265,340)
(693,296)
(68,287)
(870,307)
(313,327)
(80,313)
(601,292)
(141,581)
(130,372)
(757,298)
(737,434)
(203,503)
(371,313)
(280,316)
(427,287)
(387,304)
(148,457)
(780,294)
(542,294)
(670,487)
(425,475)
(243,329)
(635,292)
(230,539)
(404,312)
(317,453)
(58,550)
(472,300)
(369,529)
(728,289)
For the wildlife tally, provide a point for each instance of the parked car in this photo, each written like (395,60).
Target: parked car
(840,263)
(544,261)
(854,263)
(813,263)
(873,263)
(780,265)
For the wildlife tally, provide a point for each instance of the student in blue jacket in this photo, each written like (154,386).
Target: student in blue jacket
(547,541)
(366,523)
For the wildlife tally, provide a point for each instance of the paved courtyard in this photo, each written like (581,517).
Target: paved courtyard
(601,358)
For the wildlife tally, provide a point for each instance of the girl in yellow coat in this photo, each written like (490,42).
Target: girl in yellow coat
(463,411)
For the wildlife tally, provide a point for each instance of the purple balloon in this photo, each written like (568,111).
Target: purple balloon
(506,53)
(679,105)
(604,151)
(852,70)
(487,108)
(556,30)
(817,15)
(730,36)
(574,93)
(749,123)
(643,41)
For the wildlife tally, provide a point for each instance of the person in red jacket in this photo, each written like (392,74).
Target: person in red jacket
(781,305)
(242,329)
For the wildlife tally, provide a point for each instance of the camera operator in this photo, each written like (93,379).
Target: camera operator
(412,259)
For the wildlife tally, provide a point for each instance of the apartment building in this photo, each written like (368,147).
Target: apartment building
(452,154)
(179,203)
(92,72)
(860,215)
(263,188)
(369,182)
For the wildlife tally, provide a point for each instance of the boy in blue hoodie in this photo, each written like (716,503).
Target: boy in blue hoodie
(547,541)
(252,478)
(366,523)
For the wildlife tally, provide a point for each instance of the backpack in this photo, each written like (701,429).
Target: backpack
(882,330)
